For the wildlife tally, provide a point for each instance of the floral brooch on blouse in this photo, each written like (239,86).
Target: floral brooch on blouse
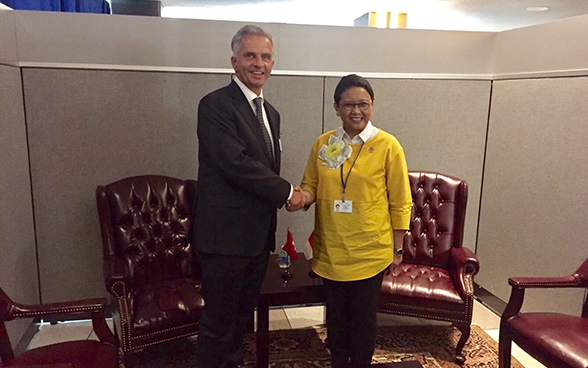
(335,153)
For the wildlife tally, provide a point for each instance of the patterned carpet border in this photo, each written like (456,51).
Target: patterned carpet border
(431,346)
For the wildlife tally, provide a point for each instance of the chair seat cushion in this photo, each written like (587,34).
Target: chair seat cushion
(87,353)
(432,284)
(562,336)
(166,304)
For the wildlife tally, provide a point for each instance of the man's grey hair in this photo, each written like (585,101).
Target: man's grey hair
(249,30)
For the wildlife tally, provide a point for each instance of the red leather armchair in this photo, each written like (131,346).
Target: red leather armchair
(554,339)
(435,280)
(150,266)
(85,353)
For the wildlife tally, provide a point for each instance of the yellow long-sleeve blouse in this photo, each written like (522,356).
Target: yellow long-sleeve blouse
(358,245)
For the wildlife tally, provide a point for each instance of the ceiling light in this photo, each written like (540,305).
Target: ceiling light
(537,8)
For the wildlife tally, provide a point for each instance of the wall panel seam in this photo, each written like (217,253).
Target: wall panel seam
(323,107)
(567,73)
(484,165)
(309,73)
(306,73)
(22,78)
(5,62)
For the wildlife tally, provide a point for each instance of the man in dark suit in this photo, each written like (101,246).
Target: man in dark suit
(239,192)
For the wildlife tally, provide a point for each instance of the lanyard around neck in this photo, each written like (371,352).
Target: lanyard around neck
(344,182)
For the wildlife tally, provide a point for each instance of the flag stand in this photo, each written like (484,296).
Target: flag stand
(286,275)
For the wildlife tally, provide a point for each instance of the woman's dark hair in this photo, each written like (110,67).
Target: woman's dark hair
(352,80)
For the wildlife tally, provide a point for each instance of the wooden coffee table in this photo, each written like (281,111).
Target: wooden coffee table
(302,288)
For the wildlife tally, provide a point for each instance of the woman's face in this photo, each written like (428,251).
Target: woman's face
(354,109)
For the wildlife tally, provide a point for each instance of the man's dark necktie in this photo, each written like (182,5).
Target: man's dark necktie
(266,136)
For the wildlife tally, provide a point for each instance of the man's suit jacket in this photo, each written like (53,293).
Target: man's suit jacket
(239,188)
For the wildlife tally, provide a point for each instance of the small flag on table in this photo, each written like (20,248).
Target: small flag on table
(289,247)
(308,246)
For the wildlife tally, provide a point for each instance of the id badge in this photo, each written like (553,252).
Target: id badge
(343,206)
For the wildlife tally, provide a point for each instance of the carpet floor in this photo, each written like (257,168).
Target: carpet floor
(431,346)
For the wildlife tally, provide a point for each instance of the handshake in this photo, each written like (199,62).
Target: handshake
(299,199)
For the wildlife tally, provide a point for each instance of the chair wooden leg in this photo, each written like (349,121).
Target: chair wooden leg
(465,335)
(504,348)
(251,323)
(129,359)
(121,358)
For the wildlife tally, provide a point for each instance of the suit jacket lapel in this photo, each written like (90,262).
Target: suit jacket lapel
(245,109)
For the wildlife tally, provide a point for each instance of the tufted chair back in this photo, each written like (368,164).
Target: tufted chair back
(437,219)
(150,219)
(150,266)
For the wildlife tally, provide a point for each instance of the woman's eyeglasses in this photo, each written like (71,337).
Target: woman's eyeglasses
(362,106)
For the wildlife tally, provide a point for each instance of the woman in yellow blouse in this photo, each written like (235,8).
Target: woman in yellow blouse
(357,176)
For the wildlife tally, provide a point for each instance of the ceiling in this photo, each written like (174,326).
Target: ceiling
(466,15)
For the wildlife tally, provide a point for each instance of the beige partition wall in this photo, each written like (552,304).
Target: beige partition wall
(534,207)
(441,125)
(465,55)
(18,262)
(93,127)
(88,128)
(554,48)
(8,54)
(533,216)
(89,40)
(300,103)
(124,41)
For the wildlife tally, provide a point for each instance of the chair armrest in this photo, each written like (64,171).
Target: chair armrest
(519,284)
(78,306)
(94,306)
(544,282)
(117,277)
(463,265)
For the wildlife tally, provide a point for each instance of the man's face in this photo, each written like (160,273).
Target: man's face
(253,61)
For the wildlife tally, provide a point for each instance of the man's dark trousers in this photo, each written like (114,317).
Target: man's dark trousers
(231,289)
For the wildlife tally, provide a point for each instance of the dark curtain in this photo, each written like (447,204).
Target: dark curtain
(79,6)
